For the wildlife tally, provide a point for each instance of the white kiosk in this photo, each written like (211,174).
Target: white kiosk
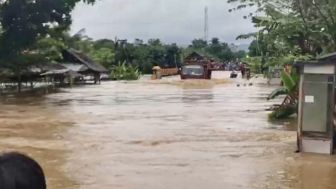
(317,105)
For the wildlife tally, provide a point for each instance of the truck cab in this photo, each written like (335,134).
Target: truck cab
(196,66)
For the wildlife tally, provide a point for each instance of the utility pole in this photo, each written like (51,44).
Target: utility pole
(206,24)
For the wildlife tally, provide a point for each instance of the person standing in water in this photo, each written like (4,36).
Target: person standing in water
(242,69)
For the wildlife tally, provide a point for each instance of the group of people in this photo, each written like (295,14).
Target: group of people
(19,171)
(243,68)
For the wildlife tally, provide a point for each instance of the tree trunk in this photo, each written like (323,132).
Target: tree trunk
(19,83)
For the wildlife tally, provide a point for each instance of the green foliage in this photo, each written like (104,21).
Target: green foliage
(286,60)
(142,55)
(277,92)
(24,23)
(199,44)
(104,56)
(255,64)
(283,113)
(290,85)
(290,81)
(147,55)
(104,43)
(215,49)
(49,48)
(290,30)
(27,30)
(125,72)
(35,32)
(254,49)
(294,26)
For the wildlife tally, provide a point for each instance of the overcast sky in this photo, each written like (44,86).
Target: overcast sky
(173,21)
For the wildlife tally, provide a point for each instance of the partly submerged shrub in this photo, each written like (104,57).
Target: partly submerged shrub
(125,72)
(283,112)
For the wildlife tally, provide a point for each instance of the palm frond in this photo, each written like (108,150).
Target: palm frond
(277,92)
(283,113)
(247,36)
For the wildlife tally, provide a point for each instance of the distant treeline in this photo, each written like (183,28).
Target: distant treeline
(145,55)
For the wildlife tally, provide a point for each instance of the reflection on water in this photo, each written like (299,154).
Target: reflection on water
(160,134)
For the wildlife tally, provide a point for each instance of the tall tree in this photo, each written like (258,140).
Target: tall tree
(199,43)
(173,56)
(308,25)
(23,22)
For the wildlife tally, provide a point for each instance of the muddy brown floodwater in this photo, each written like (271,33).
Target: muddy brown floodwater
(160,135)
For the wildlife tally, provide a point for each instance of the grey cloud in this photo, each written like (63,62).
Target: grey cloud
(172,21)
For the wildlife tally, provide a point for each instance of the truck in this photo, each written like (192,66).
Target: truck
(197,66)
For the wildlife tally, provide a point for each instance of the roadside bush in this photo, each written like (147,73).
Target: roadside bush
(125,72)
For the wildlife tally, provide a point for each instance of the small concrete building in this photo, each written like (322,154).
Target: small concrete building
(317,110)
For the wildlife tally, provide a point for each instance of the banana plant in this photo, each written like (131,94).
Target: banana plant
(290,84)
(124,71)
(290,89)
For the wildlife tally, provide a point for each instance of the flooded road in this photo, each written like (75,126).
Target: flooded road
(161,135)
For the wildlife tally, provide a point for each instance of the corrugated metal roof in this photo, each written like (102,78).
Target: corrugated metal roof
(327,56)
(62,72)
(75,67)
(82,58)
